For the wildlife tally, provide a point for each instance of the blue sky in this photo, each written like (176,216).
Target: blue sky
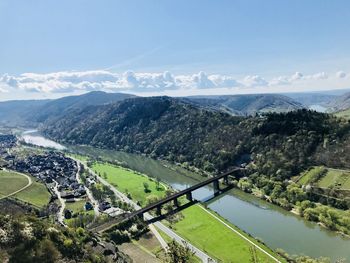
(266,39)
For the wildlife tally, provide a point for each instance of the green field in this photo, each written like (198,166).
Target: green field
(76,207)
(11,182)
(332,177)
(336,178)
(129,181)
(36,194)
(343,114)
(310,175)
(216,239)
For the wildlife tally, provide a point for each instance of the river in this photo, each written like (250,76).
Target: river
(271,224)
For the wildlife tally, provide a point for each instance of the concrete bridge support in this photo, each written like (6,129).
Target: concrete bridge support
(226,180)
(176,202)
(216,187)
(189,196)
(159,210)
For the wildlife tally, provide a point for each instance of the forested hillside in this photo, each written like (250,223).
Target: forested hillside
(280,144)
(245,105)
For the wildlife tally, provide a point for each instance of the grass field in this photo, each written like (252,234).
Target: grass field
(336,178)
(333,177)
(216,239)
(129,181)
(343,114)
(11,182)
(76,207)
(36,194)
(310,175)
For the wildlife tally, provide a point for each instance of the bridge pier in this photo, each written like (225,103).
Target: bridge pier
(140,216)
(176,202)
(226,180)
(159,210)
(216,187)
(189,196)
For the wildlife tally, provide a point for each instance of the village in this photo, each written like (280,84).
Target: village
(60,174)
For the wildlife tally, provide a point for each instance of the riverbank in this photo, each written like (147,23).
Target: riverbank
(225,242)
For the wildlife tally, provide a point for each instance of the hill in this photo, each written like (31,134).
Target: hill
(244,105)
(33,112)
(18,113)
(340,103)
(280,144)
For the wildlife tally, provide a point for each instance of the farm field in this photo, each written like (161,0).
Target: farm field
(36,194)
(11,182)
(233,248)
(129,181)
(330,177)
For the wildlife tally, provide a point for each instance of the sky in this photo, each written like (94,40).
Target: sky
(50,49)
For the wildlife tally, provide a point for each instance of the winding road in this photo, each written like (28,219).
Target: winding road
(60,214)
(88,192)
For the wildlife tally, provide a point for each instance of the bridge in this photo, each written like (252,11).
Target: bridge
(187,192)
(175,198)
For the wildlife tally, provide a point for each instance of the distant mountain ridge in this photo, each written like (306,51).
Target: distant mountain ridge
(340,103)
(34,112)
(244,105)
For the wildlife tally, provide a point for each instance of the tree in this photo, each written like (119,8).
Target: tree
(177,253)
(146,187)
(158,184)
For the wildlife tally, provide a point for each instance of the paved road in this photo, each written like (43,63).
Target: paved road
(60,215)
(200,254)
(20,190)
(88,192)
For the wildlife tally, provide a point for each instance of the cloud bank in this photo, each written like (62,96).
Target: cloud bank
(167,83)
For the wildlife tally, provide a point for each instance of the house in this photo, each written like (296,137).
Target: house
(88,206)
(104,206)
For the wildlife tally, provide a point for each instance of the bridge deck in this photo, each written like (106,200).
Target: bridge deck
(181,193)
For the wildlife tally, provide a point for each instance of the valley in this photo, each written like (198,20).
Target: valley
(147,157)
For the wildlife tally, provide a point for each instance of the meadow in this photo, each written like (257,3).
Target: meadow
(203,230)
(330,177)
(36,194)
(11,182)
(131,182)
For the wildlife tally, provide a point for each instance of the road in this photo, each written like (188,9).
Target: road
(88,192)
(200,254)
(20,190)
(60,215)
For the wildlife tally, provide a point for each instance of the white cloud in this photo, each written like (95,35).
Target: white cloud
(341,74)
(165,82)
(254,81)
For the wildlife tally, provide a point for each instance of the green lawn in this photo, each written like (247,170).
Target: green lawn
(36,194)
(216,239)
(129,181)
(76,207)
(310,174)
(337,178)
(11,182)
(333,177)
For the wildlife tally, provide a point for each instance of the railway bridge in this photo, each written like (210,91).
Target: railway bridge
(174,198)
(188,193)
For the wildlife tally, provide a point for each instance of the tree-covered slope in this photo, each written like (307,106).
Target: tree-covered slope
(158,126)
(243,105)
(280,144)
